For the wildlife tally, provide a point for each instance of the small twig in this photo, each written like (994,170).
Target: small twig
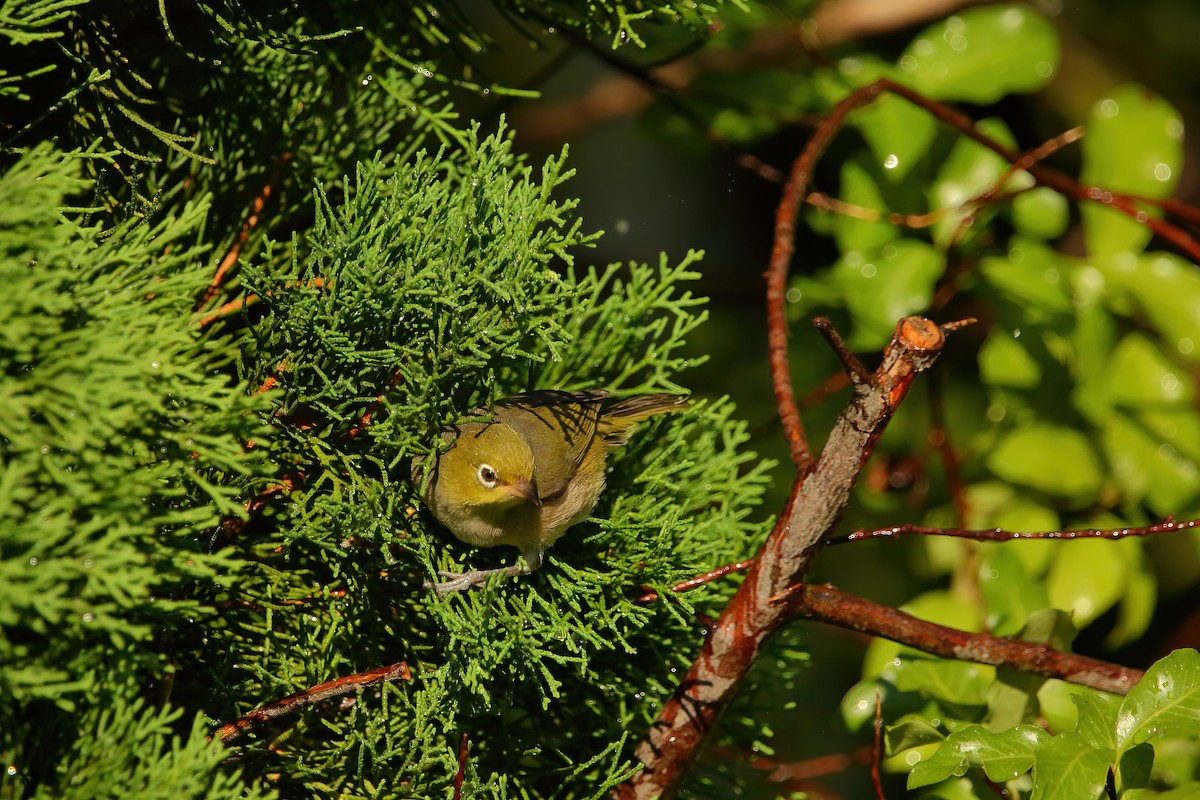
(1000,535)
(231,256)
(827,604)
(317,694)
(877,747)
(463,752)
(700,580)
(941,442)
(855,371)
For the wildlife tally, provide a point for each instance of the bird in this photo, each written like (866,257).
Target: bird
(529,474)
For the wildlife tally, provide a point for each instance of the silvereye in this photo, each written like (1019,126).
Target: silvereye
(531,473)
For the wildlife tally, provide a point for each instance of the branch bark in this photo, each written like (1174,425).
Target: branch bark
(753,615)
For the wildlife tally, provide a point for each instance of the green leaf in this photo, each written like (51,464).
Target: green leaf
(1005,361)
(1008,592)
(1089,577)
(1140,375)
(1189,792)
(1166,289)
(1055,460)
(1032,276)
(1097,719)
(882,288)
(969,170)
(862,186)
(957,682)
(1146,468)
(1165,703)
(982,54)
(897,132)
(1041,213)
(1067,768)
(1134,146)
(1003,755)
(912,730)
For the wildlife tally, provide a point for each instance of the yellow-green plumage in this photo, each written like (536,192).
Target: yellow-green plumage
(534,471)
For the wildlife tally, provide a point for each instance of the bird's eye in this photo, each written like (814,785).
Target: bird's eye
(487,476)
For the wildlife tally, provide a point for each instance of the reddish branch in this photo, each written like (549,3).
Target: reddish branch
(751,615)
(826,604)
(1001,535)
(317,694)
(463,752)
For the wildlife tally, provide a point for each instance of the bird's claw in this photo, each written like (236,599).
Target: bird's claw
(462,581)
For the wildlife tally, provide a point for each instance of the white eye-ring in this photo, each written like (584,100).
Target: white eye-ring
(487,476)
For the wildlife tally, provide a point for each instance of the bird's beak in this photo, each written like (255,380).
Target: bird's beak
(526,490)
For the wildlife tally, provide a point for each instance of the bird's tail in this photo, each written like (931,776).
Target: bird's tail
(619,419)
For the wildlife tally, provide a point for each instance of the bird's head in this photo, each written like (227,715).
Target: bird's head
(488,465)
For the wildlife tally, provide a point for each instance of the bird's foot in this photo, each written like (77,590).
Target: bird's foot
(462,581)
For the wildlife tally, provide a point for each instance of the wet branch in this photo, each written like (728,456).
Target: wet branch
(827,604)
(752,615)
(320,693)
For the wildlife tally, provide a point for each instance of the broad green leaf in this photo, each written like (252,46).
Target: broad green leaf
(1041,213)
(1007,591)
(1189,792)
(1166,289)
(1005,361)
(1003,756)
(968,171)
(1055,460)
(958,682)
(1050,625)
(1012,699)
(1134,146)
(1165,703)
(1056,699)
(1067,768)
(912,730)
(1134,767)
(882,288)
(897,132)
(1146,468)
(1032,276)
(957,789)
(1089,577)
(1097,719)
(861,186)
(982,54)
(1140,375)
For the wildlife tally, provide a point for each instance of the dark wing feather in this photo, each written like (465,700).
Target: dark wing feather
(547,418)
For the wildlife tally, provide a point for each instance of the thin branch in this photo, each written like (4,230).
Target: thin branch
(827,604)
(751,616)
(463,753)
(700,580)
(877,747)
(1000,535)
(337,687)
(1045,176)
(231,256)
(855,371)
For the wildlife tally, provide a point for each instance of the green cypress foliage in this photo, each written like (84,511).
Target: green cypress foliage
(407,268)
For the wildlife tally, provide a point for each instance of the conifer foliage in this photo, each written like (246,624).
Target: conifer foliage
(206,502)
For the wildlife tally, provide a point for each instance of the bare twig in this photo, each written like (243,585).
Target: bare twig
(877,748)
(700,580)
(463,752)
(1001,535)
(317,694)
(827,604)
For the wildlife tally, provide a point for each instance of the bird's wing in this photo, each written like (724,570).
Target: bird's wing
(545,420)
